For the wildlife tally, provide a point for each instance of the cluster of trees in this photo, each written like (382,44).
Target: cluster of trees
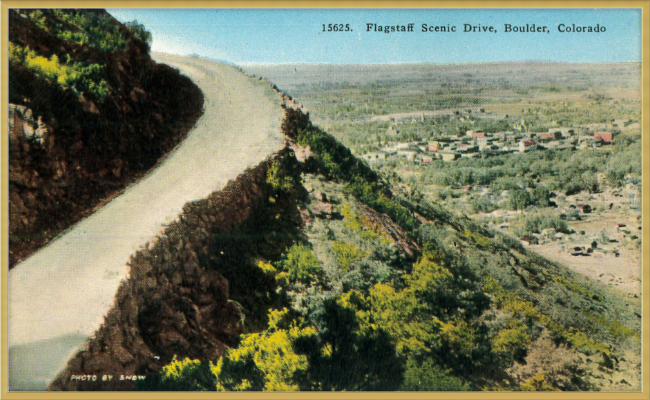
(140,32)
(81,27)
(87,27)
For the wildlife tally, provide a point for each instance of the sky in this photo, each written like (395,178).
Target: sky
(274,36)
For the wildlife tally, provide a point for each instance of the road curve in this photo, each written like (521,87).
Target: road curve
(59,295)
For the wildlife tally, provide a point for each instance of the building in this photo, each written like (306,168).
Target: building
(529,239)
(585,208)
(527,145)
(467,148)
(448,155)
(547,137)
(606,137)
(408,154)
(433,146)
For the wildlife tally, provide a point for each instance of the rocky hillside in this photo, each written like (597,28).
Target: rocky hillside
(90,111)
(312,272)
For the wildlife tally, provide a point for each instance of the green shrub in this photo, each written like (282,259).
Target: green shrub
(181,375)
(347,255)
(300,265)
(483,205)
(514,337)
(373,196)
(519,199)
(615,327)
(367,229)
(538,222)
(537,383)
(574,287)
(429,377)
(95,28)
(277,177)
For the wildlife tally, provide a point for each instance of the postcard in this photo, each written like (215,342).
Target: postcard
(391,200)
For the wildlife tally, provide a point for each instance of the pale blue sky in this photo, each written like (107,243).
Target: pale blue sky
(245,36)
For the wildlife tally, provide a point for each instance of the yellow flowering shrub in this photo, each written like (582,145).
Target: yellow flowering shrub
(268,356)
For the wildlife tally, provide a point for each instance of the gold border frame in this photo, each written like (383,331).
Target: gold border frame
(4,179)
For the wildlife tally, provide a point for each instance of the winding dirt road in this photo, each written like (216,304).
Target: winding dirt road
(58,296)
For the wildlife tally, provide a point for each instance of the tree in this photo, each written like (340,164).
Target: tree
(431,378)
(519,199)
(541,196)
(140,32)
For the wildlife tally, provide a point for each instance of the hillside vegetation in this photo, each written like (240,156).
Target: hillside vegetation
(105,114)
(335,282)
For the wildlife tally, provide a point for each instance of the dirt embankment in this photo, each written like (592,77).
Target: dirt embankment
(92,149)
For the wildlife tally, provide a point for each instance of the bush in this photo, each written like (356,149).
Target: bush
(541,196)
(347,255)
(538,384)
(373,196)
(95,28)
(300,265)
(185,375)
(519,199)
(266,360)
(537,223)
(431,378)
(483,205)
(514,338)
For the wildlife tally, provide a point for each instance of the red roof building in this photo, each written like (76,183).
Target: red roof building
(606,137)
(478,135)
(585,208)
(529,239)
(433,147)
